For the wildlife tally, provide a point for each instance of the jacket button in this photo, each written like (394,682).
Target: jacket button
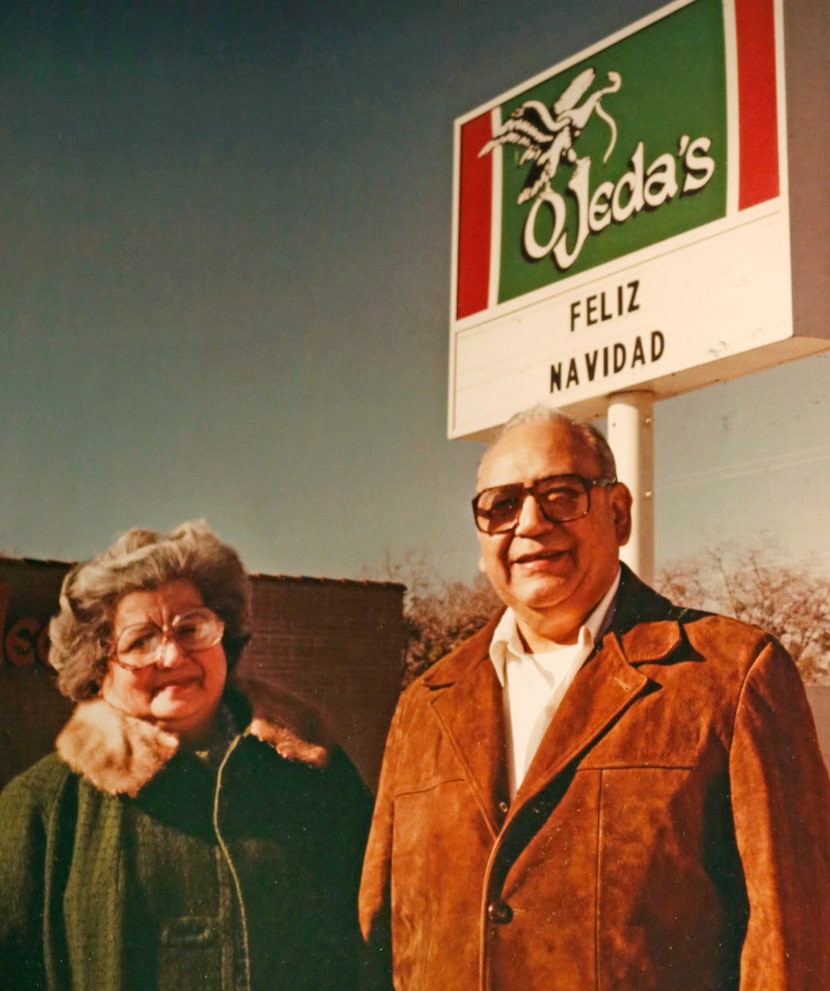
(500,913)
(504,808)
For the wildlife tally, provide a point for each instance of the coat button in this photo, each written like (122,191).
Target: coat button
(504,808)
(500,913)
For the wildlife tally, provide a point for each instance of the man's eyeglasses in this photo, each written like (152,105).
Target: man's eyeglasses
(142,644)
(561,499)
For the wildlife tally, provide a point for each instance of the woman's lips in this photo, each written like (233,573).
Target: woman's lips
(175,683)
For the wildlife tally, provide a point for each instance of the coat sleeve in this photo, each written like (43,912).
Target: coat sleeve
(781,808)
(22,889)
(375,897)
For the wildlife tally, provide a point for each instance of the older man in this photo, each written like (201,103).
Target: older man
(600,789)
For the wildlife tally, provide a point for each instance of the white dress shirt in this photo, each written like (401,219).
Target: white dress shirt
(534,684)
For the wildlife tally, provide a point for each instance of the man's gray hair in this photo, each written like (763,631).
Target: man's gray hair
(593,438)
(143,560)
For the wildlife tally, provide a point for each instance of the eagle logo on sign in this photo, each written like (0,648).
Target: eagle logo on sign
(548,135)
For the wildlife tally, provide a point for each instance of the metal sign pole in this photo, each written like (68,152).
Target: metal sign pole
(631,436)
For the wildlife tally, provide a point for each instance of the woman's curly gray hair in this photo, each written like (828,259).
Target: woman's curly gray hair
(140,560)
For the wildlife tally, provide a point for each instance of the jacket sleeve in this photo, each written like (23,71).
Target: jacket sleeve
(781,808)
(22,889)
(374,900)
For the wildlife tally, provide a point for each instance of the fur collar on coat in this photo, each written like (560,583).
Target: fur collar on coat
(119,754)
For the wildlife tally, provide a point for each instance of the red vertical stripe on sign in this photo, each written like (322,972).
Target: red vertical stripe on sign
(758,112)
(474,218)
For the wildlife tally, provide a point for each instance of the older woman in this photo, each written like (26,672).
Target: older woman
(187,832)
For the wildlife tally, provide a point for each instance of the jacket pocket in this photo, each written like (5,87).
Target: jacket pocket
(666,860)
(190,930)
(190,955)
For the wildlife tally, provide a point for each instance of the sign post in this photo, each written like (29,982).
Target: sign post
(631,436)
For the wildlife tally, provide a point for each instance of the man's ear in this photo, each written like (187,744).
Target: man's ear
(621,509)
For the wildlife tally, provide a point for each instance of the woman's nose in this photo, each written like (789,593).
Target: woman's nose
(170,652)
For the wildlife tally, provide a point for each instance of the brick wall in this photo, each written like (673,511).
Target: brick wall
(31,709)
(338,644)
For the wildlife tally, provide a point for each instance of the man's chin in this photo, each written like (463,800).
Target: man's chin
(540,589)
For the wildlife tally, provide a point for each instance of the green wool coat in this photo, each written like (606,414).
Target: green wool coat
(126,864)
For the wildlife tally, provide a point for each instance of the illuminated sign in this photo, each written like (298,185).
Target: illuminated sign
(630,218)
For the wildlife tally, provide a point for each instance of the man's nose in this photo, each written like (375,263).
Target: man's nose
(531,518)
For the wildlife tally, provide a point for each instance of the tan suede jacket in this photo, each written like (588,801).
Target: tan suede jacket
(672,833)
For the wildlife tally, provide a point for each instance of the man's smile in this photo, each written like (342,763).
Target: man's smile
(540,556)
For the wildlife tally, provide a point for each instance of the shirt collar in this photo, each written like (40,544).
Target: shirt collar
(506,634)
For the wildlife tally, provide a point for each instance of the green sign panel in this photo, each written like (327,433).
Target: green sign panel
(622,150)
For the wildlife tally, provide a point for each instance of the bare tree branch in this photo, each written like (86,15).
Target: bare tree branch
(790,600)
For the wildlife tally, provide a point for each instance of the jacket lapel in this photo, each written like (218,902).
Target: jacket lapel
(603,688)
(467,701)
(608,683)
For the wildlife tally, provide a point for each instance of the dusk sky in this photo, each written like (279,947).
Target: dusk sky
(225,279)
